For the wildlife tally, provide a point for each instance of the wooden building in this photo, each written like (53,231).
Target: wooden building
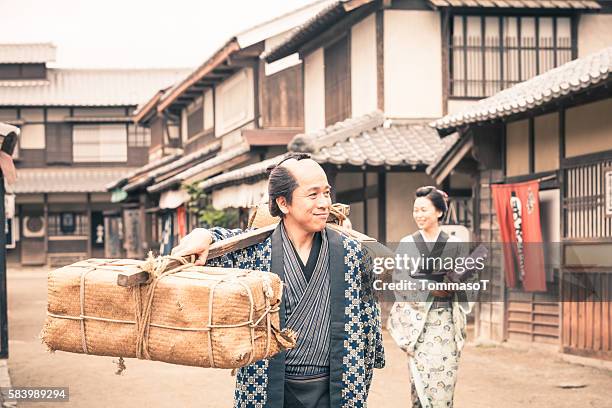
(233,110)
(555,128)
(76,136)
(375,73)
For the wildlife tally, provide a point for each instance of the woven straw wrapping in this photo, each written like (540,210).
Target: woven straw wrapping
(180,314)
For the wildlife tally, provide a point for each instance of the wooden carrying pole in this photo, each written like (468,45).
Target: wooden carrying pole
(256,236)
(216,250)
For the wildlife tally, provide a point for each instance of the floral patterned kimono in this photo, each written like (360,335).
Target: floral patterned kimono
(432,333)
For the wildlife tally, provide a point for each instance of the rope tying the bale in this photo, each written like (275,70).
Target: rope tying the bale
(143,305)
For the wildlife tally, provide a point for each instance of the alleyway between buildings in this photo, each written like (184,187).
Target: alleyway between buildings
(500,377)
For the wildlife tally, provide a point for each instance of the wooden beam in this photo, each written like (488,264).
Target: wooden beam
(191,94)
(269,137)
(231,47)
(148,107)
(216,250)
(382,206)
(239,62)
(224,69)
(445,33)
(337,30)
(233,244)
(46,214)
(88,212)
(256,66)
(380,60)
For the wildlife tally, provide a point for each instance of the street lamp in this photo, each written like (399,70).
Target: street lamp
(8,141)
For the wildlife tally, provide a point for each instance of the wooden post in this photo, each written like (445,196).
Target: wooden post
(144,242)
(46,214)
(3,290)
(562,218)
(89,223)
(382,206)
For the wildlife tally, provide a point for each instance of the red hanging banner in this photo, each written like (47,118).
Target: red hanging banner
(518,214)
(181,216)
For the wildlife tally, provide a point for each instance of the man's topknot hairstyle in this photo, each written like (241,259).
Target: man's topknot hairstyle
(281,183)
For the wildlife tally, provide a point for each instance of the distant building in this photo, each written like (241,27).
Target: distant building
(553,129)
(231,111)
(77,135)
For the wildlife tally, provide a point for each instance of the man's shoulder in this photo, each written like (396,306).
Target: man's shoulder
(344,239)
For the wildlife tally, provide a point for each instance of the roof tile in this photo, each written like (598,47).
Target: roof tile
(571,77)
(89,87)
(66,180)
(372,141)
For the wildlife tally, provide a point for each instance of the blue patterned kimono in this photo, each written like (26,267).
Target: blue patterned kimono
(355,340)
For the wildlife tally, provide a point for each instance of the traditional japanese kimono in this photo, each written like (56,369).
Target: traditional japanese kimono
(430,330)
(355,339)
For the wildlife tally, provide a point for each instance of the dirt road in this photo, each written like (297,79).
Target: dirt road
(499,377)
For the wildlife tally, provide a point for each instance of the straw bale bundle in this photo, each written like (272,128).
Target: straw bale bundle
(185,314)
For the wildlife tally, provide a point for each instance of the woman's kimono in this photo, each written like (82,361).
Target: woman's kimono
(355,340)
(431,336)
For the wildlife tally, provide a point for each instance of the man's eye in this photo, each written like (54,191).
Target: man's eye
(327,193)
(312,195)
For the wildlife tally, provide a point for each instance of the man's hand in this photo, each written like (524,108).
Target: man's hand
(196,242)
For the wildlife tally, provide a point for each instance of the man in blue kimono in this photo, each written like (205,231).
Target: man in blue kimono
(328,298)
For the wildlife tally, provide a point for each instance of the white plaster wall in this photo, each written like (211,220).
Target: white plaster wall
(184,136)
(314,91)
(235,102)
(412,64)
(209,110)
(32,136)
(283,63)
(363,67)
(594,33)
(588,128)
(517,148)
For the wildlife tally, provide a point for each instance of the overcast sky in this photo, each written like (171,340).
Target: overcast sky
(134,33)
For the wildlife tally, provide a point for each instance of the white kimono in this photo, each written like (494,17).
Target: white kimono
(432,338)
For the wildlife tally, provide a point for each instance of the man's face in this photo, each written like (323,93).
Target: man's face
(311,200)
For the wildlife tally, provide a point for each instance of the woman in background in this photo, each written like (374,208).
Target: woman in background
(430,325)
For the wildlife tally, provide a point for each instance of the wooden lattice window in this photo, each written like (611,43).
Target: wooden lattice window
(490,53)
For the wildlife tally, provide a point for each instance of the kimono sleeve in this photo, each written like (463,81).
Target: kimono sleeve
(409,255)
(371,311)
(233,259)
(220,233)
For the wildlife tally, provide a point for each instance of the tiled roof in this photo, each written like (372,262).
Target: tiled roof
(66,179)
(89,87)
(240,43)
(313,27)
(161,173)
(566,79)
(546,4)
(212,163)
(250,173)
(446,161)
(141,170)
(371,140)
(27,53)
